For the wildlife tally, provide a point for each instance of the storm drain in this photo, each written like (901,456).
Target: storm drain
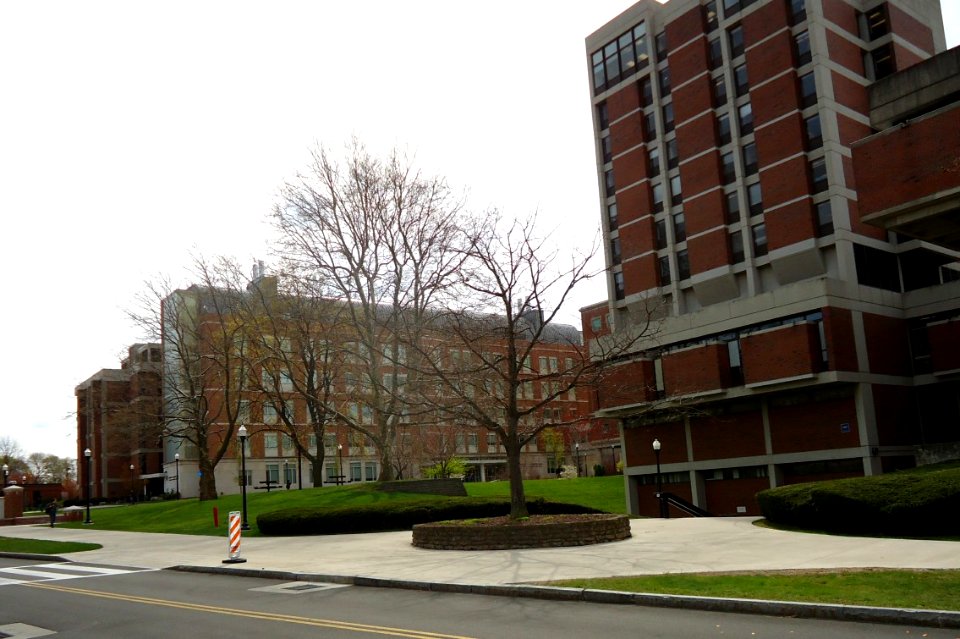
(299,587)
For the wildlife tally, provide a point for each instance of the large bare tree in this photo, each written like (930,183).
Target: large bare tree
(378,236)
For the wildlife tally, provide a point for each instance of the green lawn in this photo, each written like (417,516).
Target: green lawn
(40,547)
(929,589)
(602,493)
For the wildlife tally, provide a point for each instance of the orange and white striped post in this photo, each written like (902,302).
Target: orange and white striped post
(233,539)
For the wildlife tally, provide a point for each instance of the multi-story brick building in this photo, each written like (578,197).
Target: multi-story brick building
(785,349)
(118,420)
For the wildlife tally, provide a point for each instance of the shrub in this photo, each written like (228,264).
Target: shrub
(599,470)
(913,503)
(397,515)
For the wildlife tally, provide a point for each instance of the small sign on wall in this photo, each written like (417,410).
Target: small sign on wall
(845,427)
(741,509)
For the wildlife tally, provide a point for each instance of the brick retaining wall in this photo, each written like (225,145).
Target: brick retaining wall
(593,529)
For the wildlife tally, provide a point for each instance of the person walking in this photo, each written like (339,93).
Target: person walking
(51,511)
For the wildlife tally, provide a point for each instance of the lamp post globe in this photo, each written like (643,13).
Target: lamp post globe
(242,436)
(87,454)
(6,473)
(576,447)
(341,477)
(176,461)
(662,503)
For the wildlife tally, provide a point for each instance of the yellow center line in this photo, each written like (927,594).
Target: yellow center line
(266,616)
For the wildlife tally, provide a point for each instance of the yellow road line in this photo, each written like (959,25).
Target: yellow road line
(265,616)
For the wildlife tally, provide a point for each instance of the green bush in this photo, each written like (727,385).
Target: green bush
(397,515)
(920,503)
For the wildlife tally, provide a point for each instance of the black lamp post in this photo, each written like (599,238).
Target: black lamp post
(87,453)
(341,478)
(576,447)
(133,489)
(6,473)
(663,504)
(242,435)
(176,461)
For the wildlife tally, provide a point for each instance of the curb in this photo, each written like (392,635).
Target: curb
(30,555)
(833,612)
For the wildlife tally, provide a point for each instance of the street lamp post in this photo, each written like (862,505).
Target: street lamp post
(6,473)
(576,446)
(87,453)
(242,435)
(176,461)
(341,478)
(133,489)
(663,504)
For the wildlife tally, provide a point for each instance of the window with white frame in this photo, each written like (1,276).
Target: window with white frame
(269,413)
(270,446)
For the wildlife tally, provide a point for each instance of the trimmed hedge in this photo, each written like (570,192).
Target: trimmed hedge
(398,515)
(920,503)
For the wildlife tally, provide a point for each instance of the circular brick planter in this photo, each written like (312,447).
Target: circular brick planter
(539,531)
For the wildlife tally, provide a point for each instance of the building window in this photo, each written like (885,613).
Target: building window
(676,194)
(646,91)
(801,48)
(615,250)
(269,414)
(733,207)
(754,199)
(745,118)
(683,265)
(603,116)
(661,44)
(605,148)
(673,157)
(759,232)
(740,80)
(710,16)
(877,268)
(596,323)
(808,90)
(618,290)
(660,234)
(719,91)
(658,197)
(727,167)
(736,41)
(650,126)
(875,23)
(609,183)
(818,175)
(668,117)
(679,228)
(664,266)
(824,215)
(723,129)
(664,82)
(271,447)
(653,161)
(612,216)
(628,60)
(881,61)
(813,132)
(797,11)
(750,158)
(716,54)
(736,247)
(730,7)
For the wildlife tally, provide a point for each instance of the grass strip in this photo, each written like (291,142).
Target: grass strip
(923,589)
(43,547)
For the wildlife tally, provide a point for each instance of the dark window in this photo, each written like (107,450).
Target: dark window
(824,218)
(640,44)
(736,41)
(612,216)
(646,91)
(808,90)
(664,76)
(750,159)
(608,182)
(653,161)
(723,129)
(673,159)
(728,168)
(882,61)
(615,250)
(818,175)
(618,285)
(679,228)
(740,80)
(605,148)
(754,199)
(661,44)
(628,59)
(797,11)
(876,268)
(745,115)
(710,15)
(650,125)
(603,117)
(730,7)
(599,78)
(668,117)
(611,62)
(733,207)
(814,132)
(683,265)
(619,58)
(676,194)
(719,91)
(716,55)
(759,232)
(802,51)
(660,233)
(876,24)
(664,266)
(658,197)
(736,247)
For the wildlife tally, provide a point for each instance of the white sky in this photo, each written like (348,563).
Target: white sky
(133,133)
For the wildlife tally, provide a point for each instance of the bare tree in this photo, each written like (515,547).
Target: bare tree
(11,454)
(377,236)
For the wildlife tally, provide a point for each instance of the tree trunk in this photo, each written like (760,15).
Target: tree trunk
(317,462)
(386,463)
(208,480)
(518,500)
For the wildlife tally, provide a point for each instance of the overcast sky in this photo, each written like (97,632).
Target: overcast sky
(135,133)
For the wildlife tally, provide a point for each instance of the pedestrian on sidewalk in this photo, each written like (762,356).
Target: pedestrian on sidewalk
(51,511)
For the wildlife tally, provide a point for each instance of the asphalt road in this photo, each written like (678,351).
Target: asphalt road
(39,598)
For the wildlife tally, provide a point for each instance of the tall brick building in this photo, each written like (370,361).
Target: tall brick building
(796,338)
